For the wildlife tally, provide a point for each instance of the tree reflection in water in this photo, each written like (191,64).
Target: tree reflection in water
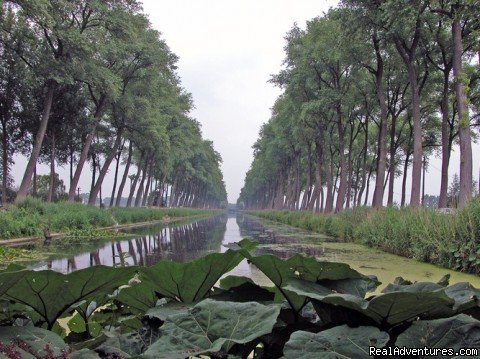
(179,243)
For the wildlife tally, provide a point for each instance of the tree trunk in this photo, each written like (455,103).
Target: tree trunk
(367,192)
(424,172)
(34,181)
(71,165)
(364,174)
(51,188)
(104,170)
(342,188)
(329,180)
(466,178)
(138,198)
(147,188)
(404,181)
(442,201)
(408,60)
(86,147)
(134,183)
(391,180)
(125,175)
(5,150)
(417,139)
(115,178)
(377,201)
(27,177)
(94,171)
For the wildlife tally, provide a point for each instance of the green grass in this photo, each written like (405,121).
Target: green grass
(448,240)
(133,215)
(30,217)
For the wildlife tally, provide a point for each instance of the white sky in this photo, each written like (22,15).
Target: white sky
(228,50)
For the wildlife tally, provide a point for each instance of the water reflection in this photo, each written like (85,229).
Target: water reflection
(189,241)
(179,243)
(282,241)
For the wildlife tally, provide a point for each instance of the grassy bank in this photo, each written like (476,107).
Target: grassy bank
(448,240)
(31,216)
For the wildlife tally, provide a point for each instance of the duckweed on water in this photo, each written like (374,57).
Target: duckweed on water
(448,240)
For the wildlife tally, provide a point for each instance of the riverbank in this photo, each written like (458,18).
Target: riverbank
(31,217)
(448,240)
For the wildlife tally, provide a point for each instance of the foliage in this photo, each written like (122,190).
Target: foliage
(212,326)
(367,91)
(105,323)
(43,185)
(341,341)
(100,78)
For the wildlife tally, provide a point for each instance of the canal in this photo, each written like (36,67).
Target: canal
(187,241)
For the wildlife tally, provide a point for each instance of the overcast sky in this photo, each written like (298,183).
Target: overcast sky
(228,50)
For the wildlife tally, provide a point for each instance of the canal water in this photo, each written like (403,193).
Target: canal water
(187,241)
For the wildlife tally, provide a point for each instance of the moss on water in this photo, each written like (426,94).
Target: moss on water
(386,266)
(448,240)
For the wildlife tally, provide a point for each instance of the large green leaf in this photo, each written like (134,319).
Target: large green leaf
(280,271)
(166,309)
(244,289)
(10,276)
(461,331)
(124,346)
(139,297)
(84,354)
(192,281)
(37,339)
(389,308)
(51,294)
(212,326)
(464,294)
(413,288)
(337,342)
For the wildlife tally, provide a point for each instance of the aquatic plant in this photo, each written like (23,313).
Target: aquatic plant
(176,310)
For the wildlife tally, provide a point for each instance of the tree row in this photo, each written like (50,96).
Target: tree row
(371,89)
(91,83)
